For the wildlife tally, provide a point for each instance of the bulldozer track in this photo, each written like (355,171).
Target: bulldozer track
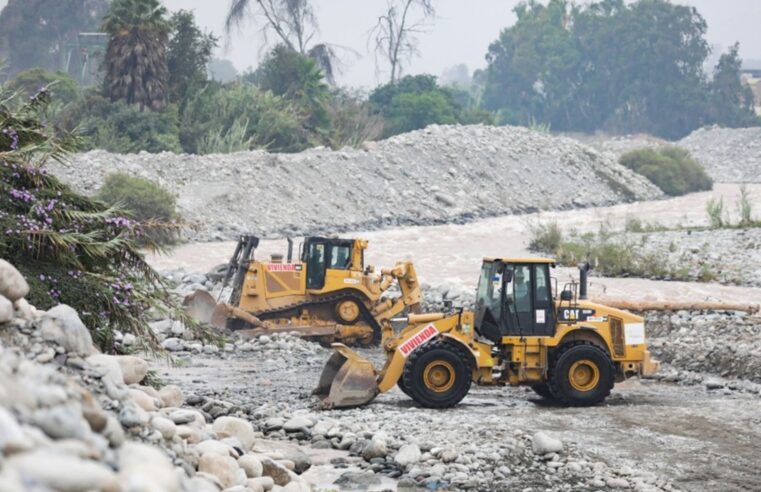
(334,298)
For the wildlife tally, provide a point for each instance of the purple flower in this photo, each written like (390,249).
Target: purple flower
(10,132)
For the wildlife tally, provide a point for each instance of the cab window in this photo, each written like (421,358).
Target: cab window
(340,257)
(521,289)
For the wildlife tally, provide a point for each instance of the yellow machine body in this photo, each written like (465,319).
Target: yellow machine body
(613,339)
(326,294)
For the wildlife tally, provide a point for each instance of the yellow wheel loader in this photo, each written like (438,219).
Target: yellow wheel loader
(521,333)
(326,295)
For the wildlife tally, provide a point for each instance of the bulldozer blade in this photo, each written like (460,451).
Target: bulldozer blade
(348,380)
(200,306)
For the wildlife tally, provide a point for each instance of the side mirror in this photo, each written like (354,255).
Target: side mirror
(566,295)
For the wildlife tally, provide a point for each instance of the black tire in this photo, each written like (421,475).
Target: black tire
(543,390)
(438,358)
(402,387)
(585,390)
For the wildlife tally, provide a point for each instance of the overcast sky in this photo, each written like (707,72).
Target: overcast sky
(461,33)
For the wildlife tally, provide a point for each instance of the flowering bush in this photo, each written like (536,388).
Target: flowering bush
(72,249)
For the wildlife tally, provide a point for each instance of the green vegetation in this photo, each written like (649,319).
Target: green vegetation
(560,67)
(146,201)
(719,218)
(415,102)
(34,33)
(671,169)
(72,249)
(615,66)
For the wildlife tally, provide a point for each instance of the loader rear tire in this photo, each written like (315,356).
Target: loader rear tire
(438,375)
(580,374)
(543,390)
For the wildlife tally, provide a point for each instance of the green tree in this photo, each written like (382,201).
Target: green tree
(297,78)
(63,88)
(189,54)
(608,65)
(416,101)
(732,103)
(136,59)
(33,33)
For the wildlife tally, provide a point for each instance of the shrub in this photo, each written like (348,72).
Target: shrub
(62,87)
(715,211)
(545,237)
(146,202)
(670,168)
(352,122)
(122,128)
(214,117)
(73,249)
(745,207)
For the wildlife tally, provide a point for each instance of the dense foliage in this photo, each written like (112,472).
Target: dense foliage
(189,53)
(612,66)
(671,169)
(72,249)
(417,101)
(34,33)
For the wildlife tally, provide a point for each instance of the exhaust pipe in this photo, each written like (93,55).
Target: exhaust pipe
(584,280)
(290,250)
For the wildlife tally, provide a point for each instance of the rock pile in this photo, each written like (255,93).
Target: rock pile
(726,256)
(729,155)
(440,174)
(73,419)
(712,344)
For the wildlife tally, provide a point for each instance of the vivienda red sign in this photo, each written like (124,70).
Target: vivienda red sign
(419,339)
(281,267)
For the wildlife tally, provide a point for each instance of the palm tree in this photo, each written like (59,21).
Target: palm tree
(293,22)
(136,59)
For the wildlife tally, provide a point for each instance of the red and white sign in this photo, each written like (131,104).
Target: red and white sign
(419,339)
(281,267)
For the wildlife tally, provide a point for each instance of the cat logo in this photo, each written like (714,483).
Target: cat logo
(573,315)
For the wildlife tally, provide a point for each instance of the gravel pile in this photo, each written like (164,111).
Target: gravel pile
(726,345)
(729,155)
(726,256)
(440,174)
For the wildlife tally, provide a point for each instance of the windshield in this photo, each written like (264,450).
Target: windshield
(489,293)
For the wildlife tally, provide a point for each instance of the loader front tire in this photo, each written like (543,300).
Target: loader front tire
(581,374)
(438,374)
(543,390)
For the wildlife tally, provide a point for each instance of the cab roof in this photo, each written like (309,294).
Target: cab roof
(548,261)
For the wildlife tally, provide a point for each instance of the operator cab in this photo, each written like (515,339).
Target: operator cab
(514,298)
(320,254)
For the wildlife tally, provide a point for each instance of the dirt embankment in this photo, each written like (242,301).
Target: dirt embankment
(442,174)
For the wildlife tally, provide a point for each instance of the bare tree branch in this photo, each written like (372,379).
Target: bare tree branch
(395,34)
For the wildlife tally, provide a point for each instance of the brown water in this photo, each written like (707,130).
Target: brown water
(453,253)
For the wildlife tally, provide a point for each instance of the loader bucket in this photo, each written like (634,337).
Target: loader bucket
(348,380)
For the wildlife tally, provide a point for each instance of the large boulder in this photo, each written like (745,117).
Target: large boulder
(6,310)
(134,369)
(171,396)
(235,427)
(13,285)
(409,454)
(67,473)
(62,326)
(542,444)
(225,468)
(144,467)
(109,368)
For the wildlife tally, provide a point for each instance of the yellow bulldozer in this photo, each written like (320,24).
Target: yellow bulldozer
(327,295)
(522,332)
